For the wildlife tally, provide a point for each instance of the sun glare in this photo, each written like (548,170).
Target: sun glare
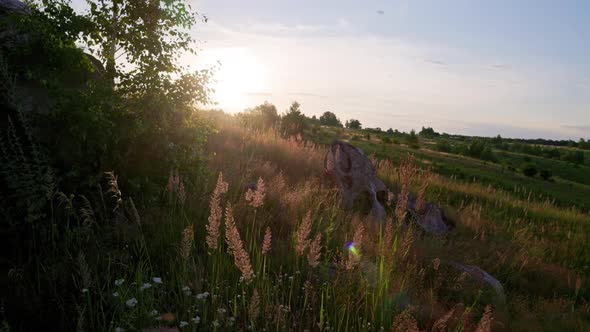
(239,76)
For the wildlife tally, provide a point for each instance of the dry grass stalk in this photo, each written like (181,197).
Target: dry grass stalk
(266,244)
(406,171)
(188,236)
(235,245)
(254,306)
(388,235)
(315,251)
(256,197)
(420,201)
(215,212)
(485,323)
(302,235)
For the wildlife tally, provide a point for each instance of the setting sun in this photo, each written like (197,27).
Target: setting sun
(239,74)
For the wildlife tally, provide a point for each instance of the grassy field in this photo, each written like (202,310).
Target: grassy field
(213,256)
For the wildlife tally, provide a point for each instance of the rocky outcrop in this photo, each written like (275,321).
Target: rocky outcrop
(354,175)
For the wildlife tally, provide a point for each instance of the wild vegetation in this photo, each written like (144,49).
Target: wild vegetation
(128,207)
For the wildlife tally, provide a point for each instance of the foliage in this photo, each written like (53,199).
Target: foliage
(428,132)
(529,169)
(330,119)
(293,122)
(353,124)
(262,117)
(545,174)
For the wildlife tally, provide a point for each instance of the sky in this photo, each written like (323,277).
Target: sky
(514,68)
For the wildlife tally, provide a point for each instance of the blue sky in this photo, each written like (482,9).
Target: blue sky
(515,68)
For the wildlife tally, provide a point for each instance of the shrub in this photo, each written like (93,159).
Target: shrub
(529,169)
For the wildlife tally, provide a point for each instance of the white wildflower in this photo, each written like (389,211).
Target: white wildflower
(85,290)
(183,324)
(119,282)
(154,312)
(196,320)
(157,280)
(132,302)
(145,286)
(186,290)
(116,294)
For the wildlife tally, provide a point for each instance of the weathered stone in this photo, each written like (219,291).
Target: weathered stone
(432,218)
(482,276)
(355,175)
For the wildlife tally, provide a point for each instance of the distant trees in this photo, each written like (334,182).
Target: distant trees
(428,132)
(261,117)
(330,119)
(353,124)
(293,122)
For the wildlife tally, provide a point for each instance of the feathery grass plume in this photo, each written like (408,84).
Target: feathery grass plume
(172,182)
(578,284)
(302,235)
(181,193)
(114,189)
(443,324)
(315,251)
(215,212)
(388,234)
(485,323)
(256,197)
(235,246)
(266,244)
(188,236)
(405,172)
(404,322)
(87,212)
(420,202)
(355,249)
(254,305)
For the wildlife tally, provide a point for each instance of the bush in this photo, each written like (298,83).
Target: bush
(529,169)
(386,140)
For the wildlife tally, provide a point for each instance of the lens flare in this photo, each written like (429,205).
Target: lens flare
(350,246)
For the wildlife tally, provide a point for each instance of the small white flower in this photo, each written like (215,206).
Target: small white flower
(119,329)
(186,290)
(116,294)
(119,282)
(145,286)
(157,280)
(85,290)
(203,296)
(132,302)
(183,324)
(196,320)
(154,312)
(216,323)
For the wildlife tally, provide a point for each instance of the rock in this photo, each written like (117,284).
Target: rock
(354,174)
(482,276)
(432,219)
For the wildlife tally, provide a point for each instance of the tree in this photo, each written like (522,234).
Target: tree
(293,122)
(428,132)
(261,117)
(353,124)
(330,119)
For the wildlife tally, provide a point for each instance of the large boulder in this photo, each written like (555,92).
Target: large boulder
(431,218)
(354,174)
